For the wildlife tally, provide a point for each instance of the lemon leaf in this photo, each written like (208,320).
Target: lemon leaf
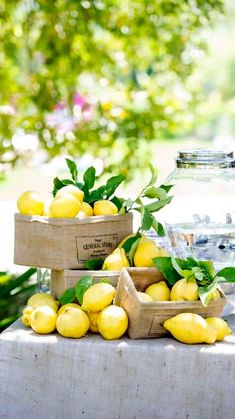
(165,267)
(112,184)
(167,188)
(89,179)
(129,242)
(228,274)
(132,251)
(147,220)
(206,293)
(82,285)
(73,169)
(67,297)
(158,227)
(154,192)
(105,280)
(94,264)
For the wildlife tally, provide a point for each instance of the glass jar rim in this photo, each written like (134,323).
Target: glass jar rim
(194,158)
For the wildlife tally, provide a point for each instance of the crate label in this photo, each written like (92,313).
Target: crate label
(95,246)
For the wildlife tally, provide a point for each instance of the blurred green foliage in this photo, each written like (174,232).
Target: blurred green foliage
(99,77)
(14,293)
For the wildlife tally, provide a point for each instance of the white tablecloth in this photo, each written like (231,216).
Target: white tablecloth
(49,377)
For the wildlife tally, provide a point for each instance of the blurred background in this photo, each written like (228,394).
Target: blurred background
(111,83)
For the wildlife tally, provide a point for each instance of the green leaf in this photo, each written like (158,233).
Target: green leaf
(228,274)
(58,184)
(154,192)
(132,251)
(112,184)
(147,220)
(95,195)
(206,293)
(157,205)
(94,264)
(208,268)
(118,202)
(153,174)
(68,296)
(105,280)
(165,267)
(82,285)
(89,179)
(73,169)
(167,188)
(158,227)
(129,242)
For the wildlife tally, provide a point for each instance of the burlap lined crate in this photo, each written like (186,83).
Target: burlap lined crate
(146,319)
(65,243)
(61,280)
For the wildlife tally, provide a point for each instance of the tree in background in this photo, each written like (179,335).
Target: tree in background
(102,77)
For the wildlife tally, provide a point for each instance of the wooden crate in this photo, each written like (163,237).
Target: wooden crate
(65,243)
(146,319)
(61,280)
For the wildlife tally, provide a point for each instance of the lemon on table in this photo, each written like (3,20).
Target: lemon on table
(30,203)
(43,299)
(98,296)
(72,323)
(146,250)
(65,206)
(159,291)
(144,298)
(68,305)
(221,327)
(93,316)
(26,315)
(112,322)
(85,211)
(43,319)
(71,189)
(190,328)
(105,207)
(185,290)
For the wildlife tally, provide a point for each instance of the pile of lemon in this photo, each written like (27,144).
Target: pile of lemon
(68,203)
(71,320)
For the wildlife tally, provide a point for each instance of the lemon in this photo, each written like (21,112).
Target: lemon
(185,290)
(190,328)
(105,207)
(93,316)
(26,317)
(72,323)
(146,251)
(65,206)
(98,296)
(112,322)
(30,203)
(65,306)
(159,291)
(144,298)
(43,319)
(220,326)
(71,189)
(43,299)
(85,211)
(116,260)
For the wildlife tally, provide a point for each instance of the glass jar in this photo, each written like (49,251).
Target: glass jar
(200,220)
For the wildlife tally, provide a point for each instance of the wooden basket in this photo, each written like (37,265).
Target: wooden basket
(146,319)
(61,280)
(65,243)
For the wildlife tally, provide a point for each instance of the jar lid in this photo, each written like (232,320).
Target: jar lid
(204,158)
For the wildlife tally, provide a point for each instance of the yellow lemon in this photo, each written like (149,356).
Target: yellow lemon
(65,206)
(26,317)
(30,203)
(71,189)
(85,211)
(105,207)
(112,322)
(98,296)
(116,260)
(72,323)
(43,319)
(146,251)
(65,306)
(220,326)
(159,291)
(185,290)
(43,299)
(144,298)
(93,316)
(190,328)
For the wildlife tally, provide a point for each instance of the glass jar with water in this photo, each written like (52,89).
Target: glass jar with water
(200,221)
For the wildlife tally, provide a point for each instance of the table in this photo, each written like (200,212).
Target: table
(49,377)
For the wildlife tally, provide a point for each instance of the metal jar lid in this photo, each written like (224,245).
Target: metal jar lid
(202,158)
